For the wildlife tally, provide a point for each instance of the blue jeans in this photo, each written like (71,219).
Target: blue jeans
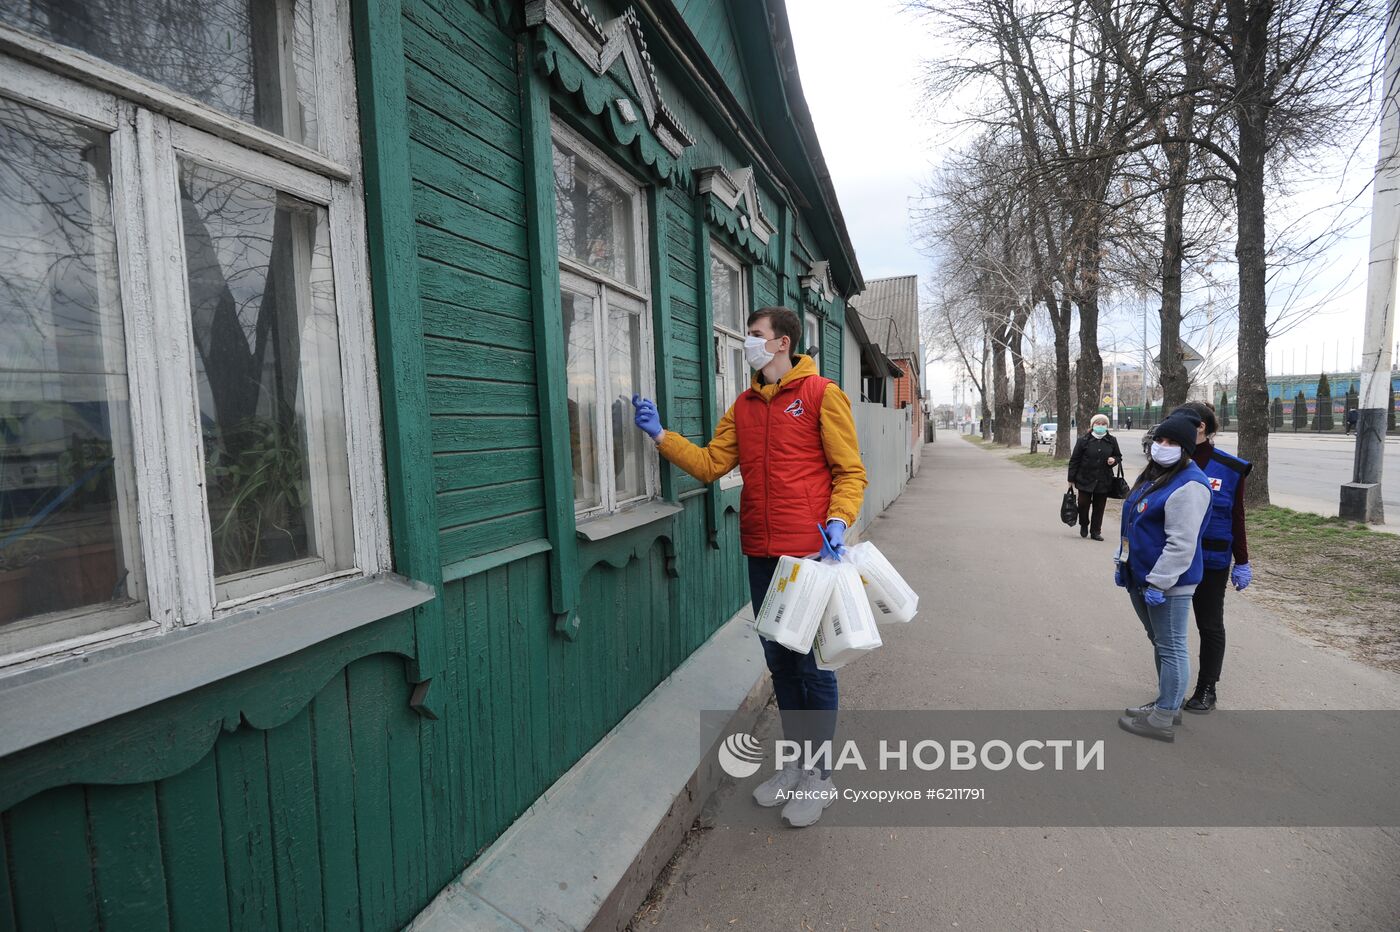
(1166,629)
(798,684)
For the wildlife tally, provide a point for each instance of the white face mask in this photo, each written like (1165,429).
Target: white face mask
(1164,455)
(756,353)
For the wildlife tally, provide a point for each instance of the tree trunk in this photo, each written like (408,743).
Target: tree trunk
(1175,381)
(1018,368)
(1001,431)
(1252,393)
(1249,25)
(1090,374)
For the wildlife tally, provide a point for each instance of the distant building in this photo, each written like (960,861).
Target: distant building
(889,309)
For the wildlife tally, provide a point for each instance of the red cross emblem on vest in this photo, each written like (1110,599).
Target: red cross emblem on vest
(795,409)
(1215,484)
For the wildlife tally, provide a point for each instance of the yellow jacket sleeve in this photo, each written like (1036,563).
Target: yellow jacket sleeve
(843,455)
(709,462)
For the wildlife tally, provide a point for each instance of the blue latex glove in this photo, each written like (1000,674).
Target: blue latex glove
(1241,576)
(834,540)
(1154,596)
(646,417)
(1120,576)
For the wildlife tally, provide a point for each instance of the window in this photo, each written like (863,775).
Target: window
(729,298)
(811,334)
(607,326)
(185,325)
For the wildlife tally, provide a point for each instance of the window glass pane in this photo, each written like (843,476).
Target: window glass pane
(67,518)
(594,215)
(727,295)
(252,59)
(267,362)
(580,318)
(739,375)
(625,380)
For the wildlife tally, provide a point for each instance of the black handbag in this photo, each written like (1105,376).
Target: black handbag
(1069,508)
(1118,486)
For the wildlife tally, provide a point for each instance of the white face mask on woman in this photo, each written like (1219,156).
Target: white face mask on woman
(1164,455)
(756,352)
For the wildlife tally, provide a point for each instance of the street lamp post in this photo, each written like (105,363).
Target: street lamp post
(1361,497)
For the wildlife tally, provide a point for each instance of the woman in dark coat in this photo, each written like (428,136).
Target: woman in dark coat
(1091,470)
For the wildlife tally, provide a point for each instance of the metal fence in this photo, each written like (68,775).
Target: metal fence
(884,435)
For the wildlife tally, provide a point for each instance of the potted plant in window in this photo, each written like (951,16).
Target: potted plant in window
(257,491)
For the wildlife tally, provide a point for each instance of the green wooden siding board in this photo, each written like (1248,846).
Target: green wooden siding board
(466,182)
(476,681)
(49,860)
(126,857)
(470,291)
(382,94)
(369,740)
(8,919)
(472,470)
(473,24)
(407,830)
(462,786)
(544,267)
(467,35)
(452,434)
(469,256)
(503,736)
(544,768)
(476,361)
(464,134)
(471,506)
(471,540)
(191,839)
(466,73)
(466,396)
(467,221)
(335,804)
(241,761)
(296,856)
(454,322)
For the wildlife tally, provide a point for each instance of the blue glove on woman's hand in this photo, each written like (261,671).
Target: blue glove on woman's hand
(1120,576)
(646,417)
(834,540)
(1241,576)
(1154,596)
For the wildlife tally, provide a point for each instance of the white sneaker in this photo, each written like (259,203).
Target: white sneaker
(767,792)
(814,795)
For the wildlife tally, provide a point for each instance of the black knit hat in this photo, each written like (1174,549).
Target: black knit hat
(1181,427)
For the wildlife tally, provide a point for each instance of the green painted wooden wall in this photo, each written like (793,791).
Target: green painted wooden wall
(349,810)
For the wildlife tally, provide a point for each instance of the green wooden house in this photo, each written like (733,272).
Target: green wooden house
(326,541)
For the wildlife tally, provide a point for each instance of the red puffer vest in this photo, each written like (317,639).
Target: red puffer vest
(787,481)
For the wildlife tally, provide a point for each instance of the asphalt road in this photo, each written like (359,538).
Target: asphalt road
(1017,612)
(1306,471)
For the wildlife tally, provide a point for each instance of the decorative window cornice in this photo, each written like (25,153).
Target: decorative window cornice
(816,284)
(732,187)
(599,45)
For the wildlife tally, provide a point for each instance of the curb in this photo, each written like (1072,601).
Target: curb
(587,853)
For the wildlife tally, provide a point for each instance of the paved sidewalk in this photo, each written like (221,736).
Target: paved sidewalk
(1018,612)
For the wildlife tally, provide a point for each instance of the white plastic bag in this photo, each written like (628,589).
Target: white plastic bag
(848,626)
(891,598)
(796,598)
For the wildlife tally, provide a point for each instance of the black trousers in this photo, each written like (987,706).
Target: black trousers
(1098,500)
(1209,606)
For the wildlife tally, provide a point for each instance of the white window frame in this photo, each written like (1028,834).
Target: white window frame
(151,128)
(727,339)
(584,278)
(811,334)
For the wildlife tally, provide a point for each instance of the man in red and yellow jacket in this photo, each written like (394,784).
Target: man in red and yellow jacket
(794,440)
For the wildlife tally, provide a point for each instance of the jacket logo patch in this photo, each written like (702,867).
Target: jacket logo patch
(1142,506)
(1215,484)
(795,409)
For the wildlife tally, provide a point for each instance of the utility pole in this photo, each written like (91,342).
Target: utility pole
(1361,497)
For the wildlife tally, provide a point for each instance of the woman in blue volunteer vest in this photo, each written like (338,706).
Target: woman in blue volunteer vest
(1224,539)
(1159,562)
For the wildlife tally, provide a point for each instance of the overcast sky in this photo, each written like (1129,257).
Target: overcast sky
(882,143)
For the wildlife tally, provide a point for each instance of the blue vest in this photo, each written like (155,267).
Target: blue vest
(1145,528)
(1224,473)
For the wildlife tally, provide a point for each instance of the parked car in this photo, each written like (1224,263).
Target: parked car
(1147,439)
(1046,433)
